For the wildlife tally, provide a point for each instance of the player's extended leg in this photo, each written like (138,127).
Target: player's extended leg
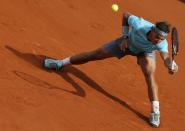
(98,54)
(108,50)
(148,66)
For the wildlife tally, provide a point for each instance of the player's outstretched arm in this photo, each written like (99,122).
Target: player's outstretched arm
(172,66)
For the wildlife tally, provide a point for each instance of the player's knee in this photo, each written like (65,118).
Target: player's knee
(152,66)
(148,67)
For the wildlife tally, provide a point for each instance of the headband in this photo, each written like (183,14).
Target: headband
(162,33)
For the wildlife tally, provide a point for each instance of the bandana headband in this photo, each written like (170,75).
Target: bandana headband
(162,33)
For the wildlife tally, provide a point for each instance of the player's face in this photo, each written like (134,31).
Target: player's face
(155,37)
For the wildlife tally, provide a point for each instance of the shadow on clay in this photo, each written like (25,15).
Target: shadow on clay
(37,60)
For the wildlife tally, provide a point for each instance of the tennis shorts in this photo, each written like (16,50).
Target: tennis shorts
(113,48)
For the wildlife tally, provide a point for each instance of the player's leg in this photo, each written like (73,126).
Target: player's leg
(81,58)
(108,50)
(148,66)
(98,54)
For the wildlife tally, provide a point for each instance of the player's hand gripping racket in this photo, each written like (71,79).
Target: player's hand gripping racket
(175,47)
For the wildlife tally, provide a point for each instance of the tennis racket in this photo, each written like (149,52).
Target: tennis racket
(175,42)
(175,45)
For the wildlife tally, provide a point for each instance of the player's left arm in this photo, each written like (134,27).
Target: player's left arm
(168,62)
(166,59)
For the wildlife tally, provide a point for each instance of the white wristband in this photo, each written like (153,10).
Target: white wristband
(125,31)
(173,65)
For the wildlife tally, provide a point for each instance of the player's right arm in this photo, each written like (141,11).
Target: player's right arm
(125,18)
(125,25)
(125,31)
(130,20)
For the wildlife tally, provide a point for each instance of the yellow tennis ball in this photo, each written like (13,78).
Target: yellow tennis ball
(115,7)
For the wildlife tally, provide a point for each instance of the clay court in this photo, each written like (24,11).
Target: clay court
(108,95)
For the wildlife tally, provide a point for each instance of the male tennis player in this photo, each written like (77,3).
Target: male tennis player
(140,38)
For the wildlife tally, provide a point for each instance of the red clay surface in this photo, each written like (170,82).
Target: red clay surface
(109,95)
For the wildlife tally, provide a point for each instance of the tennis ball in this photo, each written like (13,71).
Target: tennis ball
(115,7)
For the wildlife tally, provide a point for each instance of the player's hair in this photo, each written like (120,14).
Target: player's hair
(163,26)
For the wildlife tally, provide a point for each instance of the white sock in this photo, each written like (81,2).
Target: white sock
(65,61)
(155,106)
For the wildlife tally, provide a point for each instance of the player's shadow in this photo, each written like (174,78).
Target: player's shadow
(183,1)
(44,84)
(36,60)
